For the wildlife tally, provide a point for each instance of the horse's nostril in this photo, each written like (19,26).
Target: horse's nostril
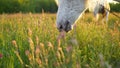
(67,22)
(61,27)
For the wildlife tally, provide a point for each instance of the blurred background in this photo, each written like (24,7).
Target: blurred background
(36,6)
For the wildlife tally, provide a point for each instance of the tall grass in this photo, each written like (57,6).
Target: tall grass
(29,41)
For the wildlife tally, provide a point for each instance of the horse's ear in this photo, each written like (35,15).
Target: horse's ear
(56,1)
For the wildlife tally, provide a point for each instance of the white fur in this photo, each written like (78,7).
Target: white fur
(72,10)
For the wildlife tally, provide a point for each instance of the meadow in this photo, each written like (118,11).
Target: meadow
(30,41)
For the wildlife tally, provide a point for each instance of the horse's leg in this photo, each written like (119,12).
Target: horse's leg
(107,15)
(96,15)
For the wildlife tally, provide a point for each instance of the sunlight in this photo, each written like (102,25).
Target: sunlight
(112,1)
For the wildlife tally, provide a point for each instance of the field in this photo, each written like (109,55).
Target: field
(29,41)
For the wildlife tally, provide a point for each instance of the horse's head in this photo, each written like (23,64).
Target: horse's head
(68,12)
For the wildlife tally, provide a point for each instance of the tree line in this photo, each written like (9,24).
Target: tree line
(35,6)
(24,6)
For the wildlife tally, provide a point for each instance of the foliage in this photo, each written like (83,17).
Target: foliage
(115,7)
(35,6)
(8,6)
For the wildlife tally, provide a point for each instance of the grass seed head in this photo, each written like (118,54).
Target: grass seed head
(14,44)
(31,44)
(38,61)
(37,51)
(37,40)
(59,48)
(58,55)
(50,44)
(29,32)
(27,52)
(42,45)
(46,61)
(20,59)
(56,64)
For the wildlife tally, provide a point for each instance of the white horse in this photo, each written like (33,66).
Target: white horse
(69,11)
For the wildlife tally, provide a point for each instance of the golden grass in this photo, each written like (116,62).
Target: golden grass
(31,40)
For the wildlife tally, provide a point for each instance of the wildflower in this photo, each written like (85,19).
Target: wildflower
(61,35)
(1,55)
(27,52)
(69,48)
(74,41)
(37,51)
